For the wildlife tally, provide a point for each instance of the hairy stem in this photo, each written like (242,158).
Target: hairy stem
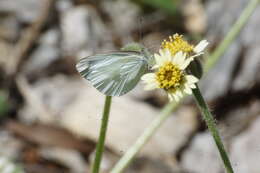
(207,116)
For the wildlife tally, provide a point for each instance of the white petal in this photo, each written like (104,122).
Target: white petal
(179,93)
(163,57)
(179,58)
(176,97)
(188,90)
(191,79)
(158,59)
(167,54)
(148,77)
(201,46)
(161,52)
(198,54)
(192,86)
(186,63)
(155,67)
(150,81)
(171,97)
(151,86)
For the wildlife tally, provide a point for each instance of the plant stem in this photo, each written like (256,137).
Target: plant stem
(143,139)
(102,135)
(232,34)
(207,116)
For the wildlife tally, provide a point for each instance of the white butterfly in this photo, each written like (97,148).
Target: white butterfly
(115,73)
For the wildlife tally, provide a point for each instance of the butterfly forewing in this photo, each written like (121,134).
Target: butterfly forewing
(113,74)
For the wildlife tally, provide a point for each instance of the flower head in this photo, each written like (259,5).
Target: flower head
(176,43)
(170,75)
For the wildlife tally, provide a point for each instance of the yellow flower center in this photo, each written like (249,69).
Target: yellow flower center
(176,44)
(169,77)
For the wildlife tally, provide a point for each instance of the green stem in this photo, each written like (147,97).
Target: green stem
(232,34)
(102,135)
(207,116)
(143,139)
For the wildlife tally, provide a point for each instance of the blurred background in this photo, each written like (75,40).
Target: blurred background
(50,116)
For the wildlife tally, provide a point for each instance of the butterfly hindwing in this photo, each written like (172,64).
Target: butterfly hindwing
(113,74)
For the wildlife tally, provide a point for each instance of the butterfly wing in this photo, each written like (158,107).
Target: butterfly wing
(113,74)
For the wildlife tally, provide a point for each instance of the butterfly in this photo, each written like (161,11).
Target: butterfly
(115,73)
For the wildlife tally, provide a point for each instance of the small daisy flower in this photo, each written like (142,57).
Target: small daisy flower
(170,74)
(176,44)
